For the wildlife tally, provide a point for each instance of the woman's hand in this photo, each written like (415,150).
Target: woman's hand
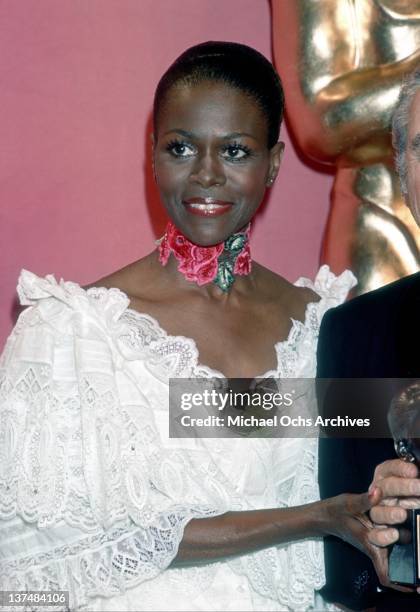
(347,518)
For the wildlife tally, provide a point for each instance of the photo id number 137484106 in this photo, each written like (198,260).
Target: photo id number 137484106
(19,599)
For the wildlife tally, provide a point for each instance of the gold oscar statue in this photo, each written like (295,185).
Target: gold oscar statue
(342,63)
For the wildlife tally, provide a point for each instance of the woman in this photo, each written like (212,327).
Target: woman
(95,497)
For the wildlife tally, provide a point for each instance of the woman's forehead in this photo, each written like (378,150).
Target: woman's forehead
(211,103)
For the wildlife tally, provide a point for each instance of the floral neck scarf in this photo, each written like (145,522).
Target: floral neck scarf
(220,263)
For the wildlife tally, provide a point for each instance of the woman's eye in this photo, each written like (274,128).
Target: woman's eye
(180,149)
(236,152)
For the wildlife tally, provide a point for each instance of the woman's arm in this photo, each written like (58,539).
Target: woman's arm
(237,533)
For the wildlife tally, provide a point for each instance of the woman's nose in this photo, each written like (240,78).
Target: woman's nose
(208,171)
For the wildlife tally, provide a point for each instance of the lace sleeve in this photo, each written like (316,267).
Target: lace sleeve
(83,505)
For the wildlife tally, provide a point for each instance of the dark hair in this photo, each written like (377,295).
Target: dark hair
(236,65)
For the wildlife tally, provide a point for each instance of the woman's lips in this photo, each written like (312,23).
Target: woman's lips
(207,207)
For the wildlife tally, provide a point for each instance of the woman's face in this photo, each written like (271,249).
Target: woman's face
(211,159)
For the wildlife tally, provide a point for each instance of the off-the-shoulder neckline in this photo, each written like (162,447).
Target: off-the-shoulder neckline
(116,302)
(201,366)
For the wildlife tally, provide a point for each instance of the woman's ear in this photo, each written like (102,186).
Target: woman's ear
(276,154)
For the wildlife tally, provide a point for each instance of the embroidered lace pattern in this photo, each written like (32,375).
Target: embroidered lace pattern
(86,463)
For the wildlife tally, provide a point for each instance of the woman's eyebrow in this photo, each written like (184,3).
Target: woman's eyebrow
(238,135)
(181,132)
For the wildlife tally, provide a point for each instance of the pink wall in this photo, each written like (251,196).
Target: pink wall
(77,80)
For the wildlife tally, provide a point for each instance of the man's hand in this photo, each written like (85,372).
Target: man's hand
(400,489)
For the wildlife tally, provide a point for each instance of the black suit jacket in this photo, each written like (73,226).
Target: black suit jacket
(375,335)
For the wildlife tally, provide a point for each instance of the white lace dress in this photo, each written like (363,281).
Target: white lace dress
(94,495)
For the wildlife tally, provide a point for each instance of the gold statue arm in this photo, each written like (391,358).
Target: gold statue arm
(342,106)
(357,108)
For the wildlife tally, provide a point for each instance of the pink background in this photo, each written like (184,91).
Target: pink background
(77,80)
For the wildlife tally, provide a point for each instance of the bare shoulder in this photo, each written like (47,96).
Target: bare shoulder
(134,279)
(277,288)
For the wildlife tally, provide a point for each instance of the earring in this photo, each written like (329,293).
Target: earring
(270,182)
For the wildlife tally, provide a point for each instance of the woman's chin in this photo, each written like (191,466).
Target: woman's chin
(208,234)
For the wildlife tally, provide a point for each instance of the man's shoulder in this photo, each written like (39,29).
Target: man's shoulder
(383,301)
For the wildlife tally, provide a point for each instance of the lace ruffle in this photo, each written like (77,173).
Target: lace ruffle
(102,565)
